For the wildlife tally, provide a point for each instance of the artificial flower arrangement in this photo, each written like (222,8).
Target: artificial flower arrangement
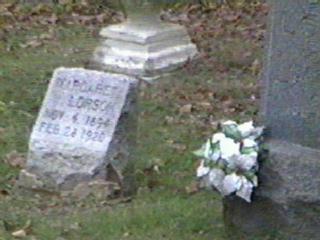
(230,159)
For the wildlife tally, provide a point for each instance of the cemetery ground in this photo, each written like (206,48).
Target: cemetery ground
(177,113)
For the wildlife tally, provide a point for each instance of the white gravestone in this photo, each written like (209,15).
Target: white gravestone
(86,126)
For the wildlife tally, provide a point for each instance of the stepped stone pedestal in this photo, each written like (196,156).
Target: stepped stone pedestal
(143,46)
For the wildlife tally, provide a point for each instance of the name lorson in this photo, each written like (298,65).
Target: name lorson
(87,103)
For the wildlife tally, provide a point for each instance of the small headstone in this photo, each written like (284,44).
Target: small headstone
(85,131)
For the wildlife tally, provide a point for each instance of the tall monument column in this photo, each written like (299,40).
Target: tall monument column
(287,202)
(143,46)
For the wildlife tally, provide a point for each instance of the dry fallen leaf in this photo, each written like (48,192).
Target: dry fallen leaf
(179,147)
(33,43)
(255,67)
(206,105)
(192,188)
(19,234)
(15,159)
(186,109)
(4,192)
(126,234)
(75,226)
(46,36)
(169,119)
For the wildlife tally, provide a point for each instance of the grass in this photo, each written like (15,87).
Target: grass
(24,78)
(162,208)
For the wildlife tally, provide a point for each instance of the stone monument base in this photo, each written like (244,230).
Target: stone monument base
(143,49)
(287,202)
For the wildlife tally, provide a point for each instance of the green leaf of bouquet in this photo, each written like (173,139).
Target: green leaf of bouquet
(199,152)
(248,150)
(210,164)
(232,131)
(250,175)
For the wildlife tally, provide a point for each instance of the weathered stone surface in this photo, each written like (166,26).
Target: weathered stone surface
(85,131)
(287,201)
(292,69)
(145,49)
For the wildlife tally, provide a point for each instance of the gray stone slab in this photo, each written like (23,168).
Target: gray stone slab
(292,71)
(287,202)
(86,125)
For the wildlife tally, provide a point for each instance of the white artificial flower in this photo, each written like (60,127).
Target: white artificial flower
(210,152)
(231,184)
(207,149)
(235,150)
(249,147)
(216,177)
(245,190)
(256,133)
(215,155)
(202,170)
(246,129)
(218,137)
(249,143)
(247,162)
(229,122)
(231,162)
(229,148)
